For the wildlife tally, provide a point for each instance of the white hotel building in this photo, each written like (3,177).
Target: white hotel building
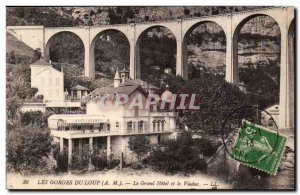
(50,84)
(111,129)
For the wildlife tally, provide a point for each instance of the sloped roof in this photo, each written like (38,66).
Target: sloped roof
(127,90)
(111,90)
(41,62)
(138,82)
(79,87)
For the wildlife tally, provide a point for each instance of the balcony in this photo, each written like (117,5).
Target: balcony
(82,133)
(97,133)
(147,131)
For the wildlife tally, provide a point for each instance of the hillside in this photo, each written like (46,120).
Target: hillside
(18,47)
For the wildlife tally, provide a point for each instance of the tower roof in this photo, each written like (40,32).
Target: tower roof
(117,75)
(124,70)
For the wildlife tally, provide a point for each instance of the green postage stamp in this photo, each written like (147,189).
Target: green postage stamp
(259,147)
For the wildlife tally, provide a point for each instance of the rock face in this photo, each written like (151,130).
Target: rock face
(97,15)
(258,44)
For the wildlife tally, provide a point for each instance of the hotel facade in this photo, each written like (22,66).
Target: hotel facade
(110,128)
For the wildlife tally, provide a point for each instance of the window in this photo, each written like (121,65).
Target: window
(145,126)
(163,125)
(129,126)
(108,127)
(140,125)
(97,125)
(158,126)
(133,126)
(154,126)
(117,125)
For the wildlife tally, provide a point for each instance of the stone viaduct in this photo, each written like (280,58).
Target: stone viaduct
(39,37)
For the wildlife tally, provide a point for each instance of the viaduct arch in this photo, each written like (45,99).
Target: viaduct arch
(38,36)
(91,67)
(48,44)
(184,42)
(141,32)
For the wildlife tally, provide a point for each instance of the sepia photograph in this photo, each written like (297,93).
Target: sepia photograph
(150,98)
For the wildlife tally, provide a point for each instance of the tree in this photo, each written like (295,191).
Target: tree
(81,160)
(178,155)
(12,107)
(186,11)
(11,58)
(37,54)
(217,98)
(26,148)
(140,145)
(205,146)
(33,117)
(61,157)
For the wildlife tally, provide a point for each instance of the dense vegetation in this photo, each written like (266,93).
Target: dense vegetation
(67,48)
(111,52)
(157,51)
(181,155)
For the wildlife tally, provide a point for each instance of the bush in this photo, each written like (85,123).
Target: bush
(140,145)
(60,157)
(205,146)
(32,117)
(99,162)
(46,165)
(138,165)
(27,149)
(62,161)
(115,163)
(177,156)
(41,97)
(82,162)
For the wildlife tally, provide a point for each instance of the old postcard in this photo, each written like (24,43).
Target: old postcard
(150,98)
